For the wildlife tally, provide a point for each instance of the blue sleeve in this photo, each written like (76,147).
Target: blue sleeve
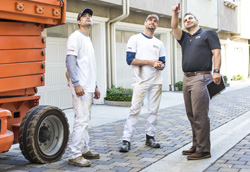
(130,57)
(71,68)
(162,59)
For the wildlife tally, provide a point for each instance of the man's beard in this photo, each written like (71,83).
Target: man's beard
(151,29)
(191,27)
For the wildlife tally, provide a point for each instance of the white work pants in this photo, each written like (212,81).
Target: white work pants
(80,136)
(154,97)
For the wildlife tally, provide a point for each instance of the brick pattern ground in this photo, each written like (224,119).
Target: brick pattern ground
(236,159)
(173,133)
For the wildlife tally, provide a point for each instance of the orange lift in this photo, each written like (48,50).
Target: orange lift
(42,131)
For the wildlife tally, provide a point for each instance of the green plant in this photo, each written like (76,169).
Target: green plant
(225,79)
(179,85)
(119,94)
(237,77)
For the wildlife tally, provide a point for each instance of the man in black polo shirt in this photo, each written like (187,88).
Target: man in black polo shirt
(198,48)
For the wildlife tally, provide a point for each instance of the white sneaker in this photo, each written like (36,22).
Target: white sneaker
(79,161)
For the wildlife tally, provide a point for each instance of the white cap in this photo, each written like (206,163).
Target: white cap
(153,15)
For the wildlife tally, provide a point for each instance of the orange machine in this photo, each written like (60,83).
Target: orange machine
(42,131)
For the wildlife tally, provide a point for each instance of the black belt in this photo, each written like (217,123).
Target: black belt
(188,74)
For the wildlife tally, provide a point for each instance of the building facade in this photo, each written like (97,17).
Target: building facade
(116,20)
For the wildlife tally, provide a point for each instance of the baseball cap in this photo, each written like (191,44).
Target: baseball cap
(153,15)
(86,10)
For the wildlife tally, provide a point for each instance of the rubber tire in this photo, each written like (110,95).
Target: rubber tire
(28,134)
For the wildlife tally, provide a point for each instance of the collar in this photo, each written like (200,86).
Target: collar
(146,36)
(196,33)
(83,33)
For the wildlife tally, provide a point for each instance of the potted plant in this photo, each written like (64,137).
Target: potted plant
(118,96)
(178,85)
(225,81)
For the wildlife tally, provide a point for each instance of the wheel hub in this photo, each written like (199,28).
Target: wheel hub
(50,135)
(44,134)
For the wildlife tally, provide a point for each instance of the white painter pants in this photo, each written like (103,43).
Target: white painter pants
(154,97)
(80,136)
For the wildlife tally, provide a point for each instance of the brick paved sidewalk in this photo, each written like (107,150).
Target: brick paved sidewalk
(236,159)
(173,133)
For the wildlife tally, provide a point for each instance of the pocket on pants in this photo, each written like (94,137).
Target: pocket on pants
(207,78)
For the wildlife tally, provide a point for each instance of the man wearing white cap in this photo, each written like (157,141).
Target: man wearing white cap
(146,56)
(81,67)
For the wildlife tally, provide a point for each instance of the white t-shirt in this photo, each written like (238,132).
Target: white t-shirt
(146,49)
(81,46)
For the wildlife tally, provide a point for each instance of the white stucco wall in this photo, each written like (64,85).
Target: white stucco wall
(205,11)
(245,23)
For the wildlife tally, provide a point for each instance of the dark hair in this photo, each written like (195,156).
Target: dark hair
(191,15)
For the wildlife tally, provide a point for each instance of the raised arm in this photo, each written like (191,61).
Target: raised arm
(177,32)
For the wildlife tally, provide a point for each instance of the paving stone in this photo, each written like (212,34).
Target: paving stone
(20,168)
(244,170)
(36,169)
(237,162)
(135,170)
(71,168)
(122,164)
(147,155)
(242,166)
(5,166)
(148,159)
(133,158)
(103,162)
(223,165)
(56,166)
(53,170)
(228,170)
(230,158)
(244,159)
(101,170)
(86,169)
(221,161)
(121,169)
(213,169)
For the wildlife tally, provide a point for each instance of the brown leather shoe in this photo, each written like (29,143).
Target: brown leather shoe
(190,151)
(91,155)
(197,156)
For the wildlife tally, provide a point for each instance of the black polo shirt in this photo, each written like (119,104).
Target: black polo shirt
(197,50)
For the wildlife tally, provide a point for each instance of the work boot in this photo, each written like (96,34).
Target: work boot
(190,151)
(80,162)
(125,146)
(150,141)
(197,156)
(91,155)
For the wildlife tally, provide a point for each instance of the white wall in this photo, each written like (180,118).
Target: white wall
(234,58)
(245,23)
(205,11)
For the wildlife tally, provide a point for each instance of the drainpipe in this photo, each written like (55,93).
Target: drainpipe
(218,16)
(174,49)
(111,42)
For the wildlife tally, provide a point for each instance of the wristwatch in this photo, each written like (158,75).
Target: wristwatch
(216,71)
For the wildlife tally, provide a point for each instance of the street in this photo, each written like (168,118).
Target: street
(230,140)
